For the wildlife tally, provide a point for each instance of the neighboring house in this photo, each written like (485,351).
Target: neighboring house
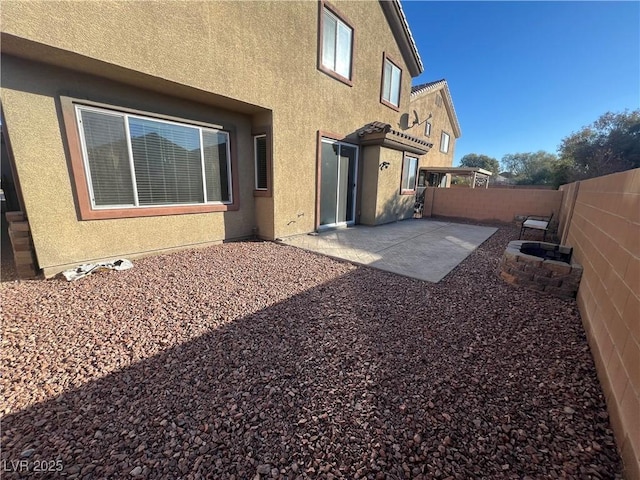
(142,127)
(434,118)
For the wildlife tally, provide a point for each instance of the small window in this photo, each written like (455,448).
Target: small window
(336,43)
(260,152)
(444,142)
(133,161)
(427,129)
(391,77)
(409,172)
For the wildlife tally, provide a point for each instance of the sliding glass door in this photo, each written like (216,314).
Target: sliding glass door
(339,165)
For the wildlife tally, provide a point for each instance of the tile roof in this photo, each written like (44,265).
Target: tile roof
(395,136)
(430,87)
(416,89)
(400,28)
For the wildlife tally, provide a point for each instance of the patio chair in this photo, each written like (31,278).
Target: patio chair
(536,222)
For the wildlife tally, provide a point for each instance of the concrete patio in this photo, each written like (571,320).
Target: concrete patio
(419,248)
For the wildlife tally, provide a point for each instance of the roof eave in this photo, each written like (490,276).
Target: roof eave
(448,103)
(400,28)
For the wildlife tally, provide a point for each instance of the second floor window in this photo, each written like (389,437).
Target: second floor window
(337,39)
(391,76)
(444,142)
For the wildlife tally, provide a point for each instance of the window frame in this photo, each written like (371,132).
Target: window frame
(81,174)
(442,136)
(332,10)
(264,131)
(405,191)
(386,58)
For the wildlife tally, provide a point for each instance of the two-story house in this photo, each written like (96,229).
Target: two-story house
(142,127)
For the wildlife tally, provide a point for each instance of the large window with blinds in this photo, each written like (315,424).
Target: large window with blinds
(134,161)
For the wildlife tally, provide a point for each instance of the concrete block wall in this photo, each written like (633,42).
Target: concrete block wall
(602,224)
(482,204)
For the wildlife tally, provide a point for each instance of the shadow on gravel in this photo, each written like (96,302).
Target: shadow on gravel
(459,380)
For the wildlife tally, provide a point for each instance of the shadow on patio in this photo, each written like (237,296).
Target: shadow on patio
(369,375)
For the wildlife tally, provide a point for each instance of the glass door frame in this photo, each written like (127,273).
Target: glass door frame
(323,138)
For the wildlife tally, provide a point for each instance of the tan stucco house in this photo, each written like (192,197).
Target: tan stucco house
(435,118)
(141,127)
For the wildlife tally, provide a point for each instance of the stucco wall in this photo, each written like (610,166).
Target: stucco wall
(382,188)
(30,100)
(197,51)
(391,206)
(425,104)
(369,185)
(604,231)
(488,204)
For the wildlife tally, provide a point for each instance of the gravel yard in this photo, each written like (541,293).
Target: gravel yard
(256,360)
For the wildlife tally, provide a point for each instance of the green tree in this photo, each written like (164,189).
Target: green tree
(482,161)
(610,144)
(537,168)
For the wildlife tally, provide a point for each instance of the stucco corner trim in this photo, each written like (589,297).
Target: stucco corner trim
(79,178)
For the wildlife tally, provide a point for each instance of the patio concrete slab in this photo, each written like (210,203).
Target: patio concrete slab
(419,248)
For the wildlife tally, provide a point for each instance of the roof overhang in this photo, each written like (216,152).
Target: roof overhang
(378,133)
(400,28)
(458,170)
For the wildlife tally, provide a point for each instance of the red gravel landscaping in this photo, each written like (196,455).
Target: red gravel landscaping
(256,360)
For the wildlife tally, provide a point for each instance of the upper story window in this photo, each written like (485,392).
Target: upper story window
(391,77)
(444,142)
(427,129)
(149,166)
(336,44)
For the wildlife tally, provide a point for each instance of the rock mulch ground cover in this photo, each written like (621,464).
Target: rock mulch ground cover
(255,360)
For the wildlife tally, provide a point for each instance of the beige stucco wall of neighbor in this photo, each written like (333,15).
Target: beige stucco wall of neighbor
(193,50)
(603,227)
(425,104)
(31,109)
(490,204)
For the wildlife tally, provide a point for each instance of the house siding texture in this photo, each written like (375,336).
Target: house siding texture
(425,104)
(196,60)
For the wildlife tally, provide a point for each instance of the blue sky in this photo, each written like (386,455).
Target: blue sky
(524,75)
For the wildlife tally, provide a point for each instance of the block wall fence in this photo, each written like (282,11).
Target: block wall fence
(492,204)
(600,219)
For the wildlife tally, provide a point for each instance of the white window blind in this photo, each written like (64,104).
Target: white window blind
(107,158)
(135,161)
